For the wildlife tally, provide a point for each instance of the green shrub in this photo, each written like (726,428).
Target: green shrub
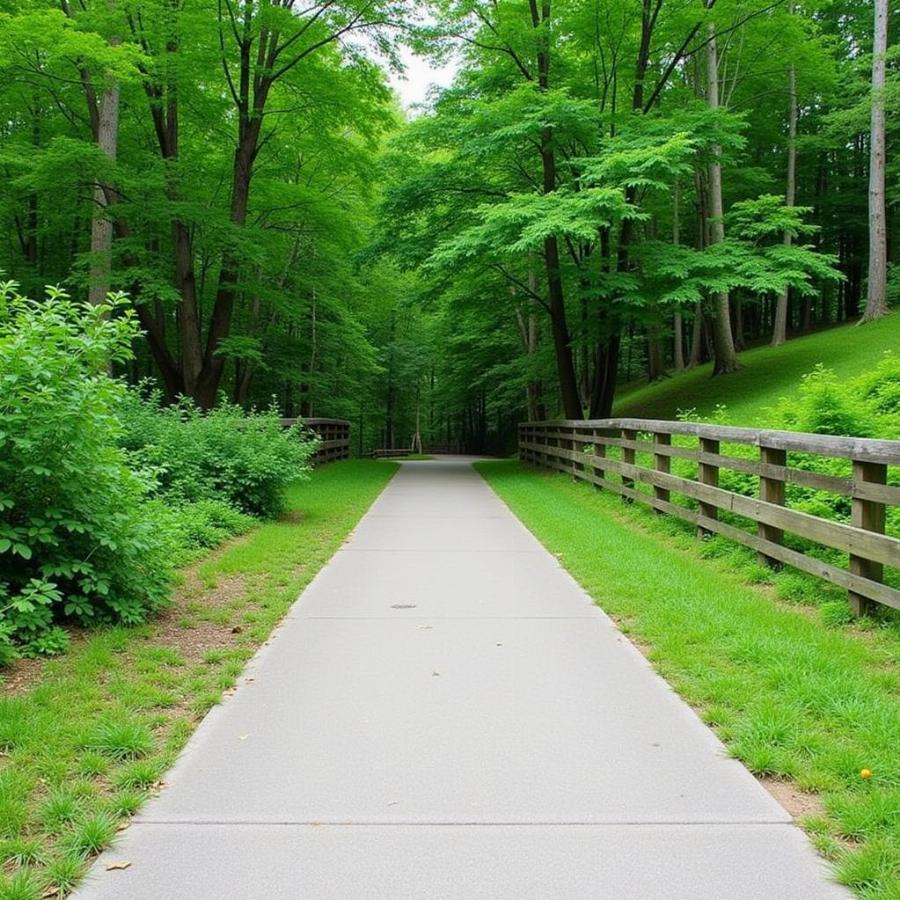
(823,405)
(201,525)
(226,455)
(78,540)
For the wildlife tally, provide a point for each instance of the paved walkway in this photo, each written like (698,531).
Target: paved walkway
(444,714)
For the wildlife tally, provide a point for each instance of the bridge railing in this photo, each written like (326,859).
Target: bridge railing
(742,483)
(334,437)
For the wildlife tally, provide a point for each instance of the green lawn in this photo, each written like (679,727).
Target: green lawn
(767,374)
(92,736)
(796,700)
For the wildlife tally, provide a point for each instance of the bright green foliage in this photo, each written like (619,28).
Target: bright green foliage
(225,456)
(77,539)
(101,490)
(766,375)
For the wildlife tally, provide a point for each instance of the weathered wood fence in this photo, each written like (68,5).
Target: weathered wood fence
(621,454)
(334,436)
(389,452)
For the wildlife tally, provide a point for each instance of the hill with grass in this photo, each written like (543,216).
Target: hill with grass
(767,375)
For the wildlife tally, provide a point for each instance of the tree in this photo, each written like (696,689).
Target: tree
(779,334)
(876,298)
(723,340)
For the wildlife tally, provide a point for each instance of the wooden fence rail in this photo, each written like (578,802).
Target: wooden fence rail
(334,437)
(611,454)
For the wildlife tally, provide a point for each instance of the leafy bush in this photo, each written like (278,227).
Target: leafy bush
(103,490)
(823,405)
(201,525)
(226,455)
(77,538)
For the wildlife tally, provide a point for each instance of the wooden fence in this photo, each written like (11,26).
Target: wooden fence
(334,436)
(623,454)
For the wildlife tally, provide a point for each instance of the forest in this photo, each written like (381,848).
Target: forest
(230,238)
(606,193)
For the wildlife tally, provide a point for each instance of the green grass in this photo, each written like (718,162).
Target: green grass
(767,375)
(791,697)
(85,747)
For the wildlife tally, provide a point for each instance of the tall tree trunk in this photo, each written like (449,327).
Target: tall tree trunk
(876,299)
(107,138)
(528,337)
(737,322)
(606,366)
(562,339)
(678,342)
(655,358)
(696,336)
(779,332)
(678,323)
(723,339)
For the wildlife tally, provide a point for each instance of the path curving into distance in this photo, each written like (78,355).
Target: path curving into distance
(445,714)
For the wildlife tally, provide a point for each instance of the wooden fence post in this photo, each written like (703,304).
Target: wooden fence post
(709,474)
(599,450)
(628,456)
(571,444)
(663,464)
(772,491)
(867,514)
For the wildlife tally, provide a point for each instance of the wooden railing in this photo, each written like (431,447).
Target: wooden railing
(622,455)
(334,437)
(389,452)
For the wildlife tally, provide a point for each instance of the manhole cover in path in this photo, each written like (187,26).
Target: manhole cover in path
(403,606)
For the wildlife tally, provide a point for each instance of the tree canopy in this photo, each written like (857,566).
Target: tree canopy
(607,191)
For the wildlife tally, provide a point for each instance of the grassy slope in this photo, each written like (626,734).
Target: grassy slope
(89,742)
(767,375)
(794,700)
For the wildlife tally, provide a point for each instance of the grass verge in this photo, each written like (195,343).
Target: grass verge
(87,738)
(805,706)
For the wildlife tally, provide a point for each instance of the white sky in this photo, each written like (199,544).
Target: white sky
(420,76)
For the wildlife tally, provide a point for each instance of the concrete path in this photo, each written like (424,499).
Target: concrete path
(445,714)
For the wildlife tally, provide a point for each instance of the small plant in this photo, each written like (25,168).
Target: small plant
(22,851)
(126,803)
(50,643)
(91,835)
(64,873)
(92,765)
(836,613)
(122,739)
(58,810)
(140,774)
(23,885)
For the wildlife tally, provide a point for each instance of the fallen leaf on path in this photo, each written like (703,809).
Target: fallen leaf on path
(112,867)
(435,674)
(243,737)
